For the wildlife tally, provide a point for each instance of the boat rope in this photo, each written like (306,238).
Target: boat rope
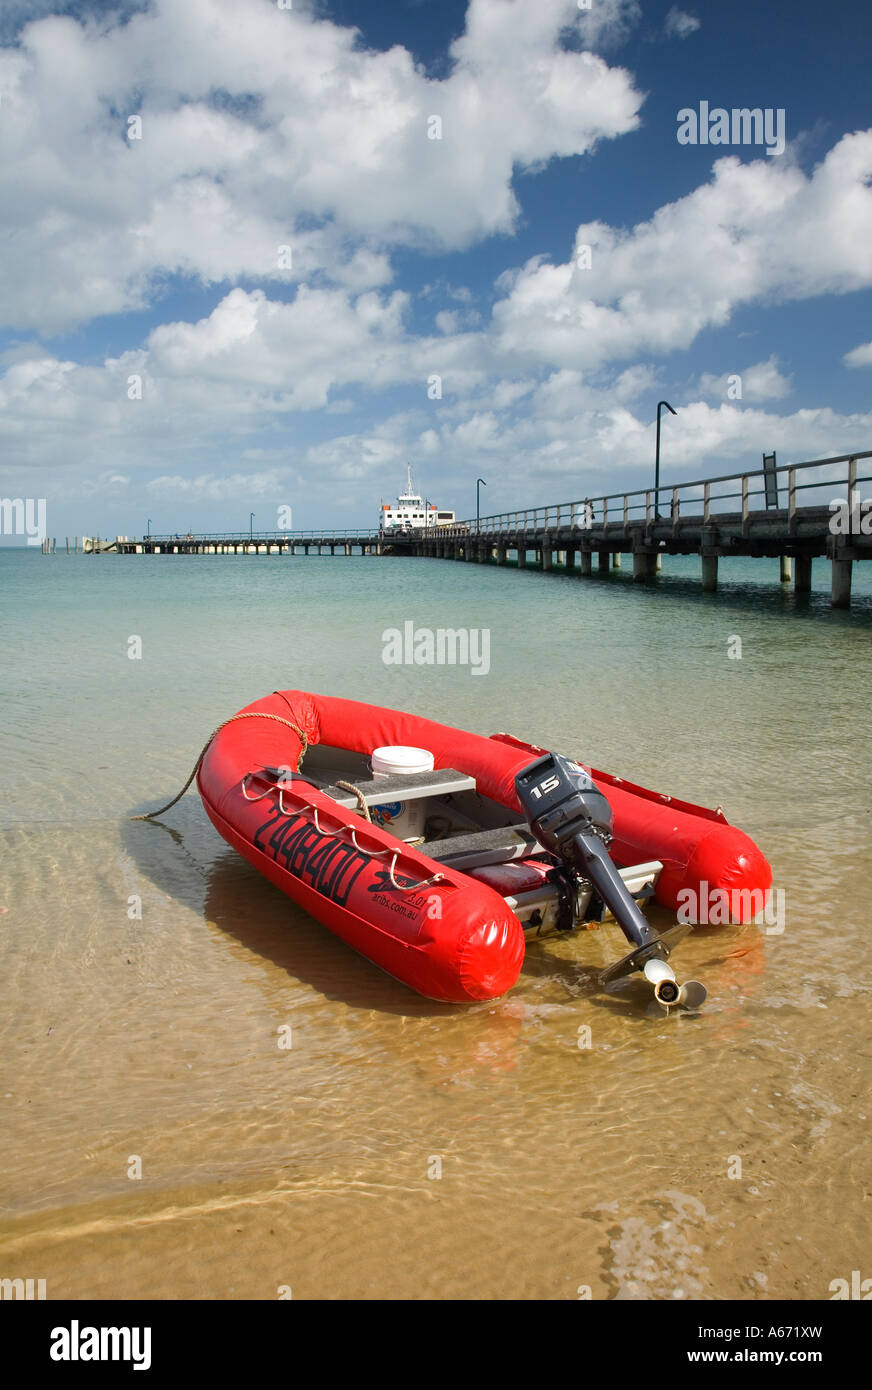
(423,883)
(280,786)
(249,714)
(346,786)
(361,799)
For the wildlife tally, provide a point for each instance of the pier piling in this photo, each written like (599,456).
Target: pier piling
(734,515)
(709,572)
(840,595)
(644,565)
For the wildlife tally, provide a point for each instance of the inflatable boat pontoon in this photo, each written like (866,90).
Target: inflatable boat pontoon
(439,874)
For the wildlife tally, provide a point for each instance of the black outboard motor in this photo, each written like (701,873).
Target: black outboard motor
(572,819)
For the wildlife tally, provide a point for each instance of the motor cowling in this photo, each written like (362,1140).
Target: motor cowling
(571,817)
(561,801)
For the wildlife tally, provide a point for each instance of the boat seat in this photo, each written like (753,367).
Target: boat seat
(468,850)
(408,787)
(483,847)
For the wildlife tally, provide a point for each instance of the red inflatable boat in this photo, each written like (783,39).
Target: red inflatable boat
(436,874)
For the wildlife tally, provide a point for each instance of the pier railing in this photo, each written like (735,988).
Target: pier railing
(793,485)
(261,537)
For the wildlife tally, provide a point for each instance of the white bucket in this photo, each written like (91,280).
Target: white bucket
(405,819)
(400,762)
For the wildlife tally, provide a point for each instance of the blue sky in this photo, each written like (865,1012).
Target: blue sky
(159,357)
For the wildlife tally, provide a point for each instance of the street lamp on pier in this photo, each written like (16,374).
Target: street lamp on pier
(660,405)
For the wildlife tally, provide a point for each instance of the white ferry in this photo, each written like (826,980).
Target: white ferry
(411,513)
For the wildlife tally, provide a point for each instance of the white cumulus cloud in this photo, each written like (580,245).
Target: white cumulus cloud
(679,24)
(756,232)
(760,382)
(264,128)
(859,356)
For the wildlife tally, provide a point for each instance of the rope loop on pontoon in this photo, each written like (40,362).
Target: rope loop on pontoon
(414,887)
(362,849)
(281,786)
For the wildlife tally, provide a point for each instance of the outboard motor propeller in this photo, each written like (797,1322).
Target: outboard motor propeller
(572,819)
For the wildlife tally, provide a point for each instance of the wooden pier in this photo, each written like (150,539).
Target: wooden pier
(345,541)
(793,513)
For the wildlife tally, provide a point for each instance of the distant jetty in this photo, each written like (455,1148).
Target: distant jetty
(793,513)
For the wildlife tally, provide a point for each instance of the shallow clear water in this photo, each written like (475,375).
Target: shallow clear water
(721,1155)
